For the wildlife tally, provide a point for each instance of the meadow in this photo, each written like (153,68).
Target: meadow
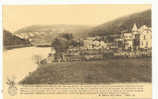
(93,72)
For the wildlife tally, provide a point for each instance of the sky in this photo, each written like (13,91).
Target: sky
(17,16)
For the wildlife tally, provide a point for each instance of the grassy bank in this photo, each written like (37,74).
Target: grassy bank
(92,72)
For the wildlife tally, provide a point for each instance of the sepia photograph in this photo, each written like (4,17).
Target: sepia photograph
(77,44)
(77,51)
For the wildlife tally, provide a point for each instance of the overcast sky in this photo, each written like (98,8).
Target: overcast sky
(16,17)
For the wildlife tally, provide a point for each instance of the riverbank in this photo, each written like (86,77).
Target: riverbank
(92,72)
(19,62)
(10,47)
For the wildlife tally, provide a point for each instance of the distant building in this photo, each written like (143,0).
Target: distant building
(92,43)
(88,43)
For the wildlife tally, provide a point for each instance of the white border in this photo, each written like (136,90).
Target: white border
(46,2)
(1,43)
(41,2)
(155,49)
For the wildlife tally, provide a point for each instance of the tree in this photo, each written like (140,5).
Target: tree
(67,36)
(64,41)
(76,43)
(60,44)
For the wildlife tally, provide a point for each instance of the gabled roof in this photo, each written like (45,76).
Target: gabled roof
(134,28)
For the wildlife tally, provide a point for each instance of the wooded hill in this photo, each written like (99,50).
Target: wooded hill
(123,24)
(12,41)
(112,28)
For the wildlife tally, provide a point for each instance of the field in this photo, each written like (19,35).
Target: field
(93,72)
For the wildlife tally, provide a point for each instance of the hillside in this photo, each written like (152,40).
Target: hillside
(12,41)
(57,28)
(123,23)
(46,33)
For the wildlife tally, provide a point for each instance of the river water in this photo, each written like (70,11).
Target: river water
(17,63)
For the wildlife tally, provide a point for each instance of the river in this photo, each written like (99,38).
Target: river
(17,63)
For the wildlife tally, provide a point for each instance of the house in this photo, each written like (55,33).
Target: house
(119,43)
(88,43)
(145,37)
(94,44)
(127,40)
(138,38)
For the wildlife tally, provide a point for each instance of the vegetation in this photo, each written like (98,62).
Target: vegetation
(92,72)
(109,29)
(64,41)
(122,24)
(12,41)
(50,32)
